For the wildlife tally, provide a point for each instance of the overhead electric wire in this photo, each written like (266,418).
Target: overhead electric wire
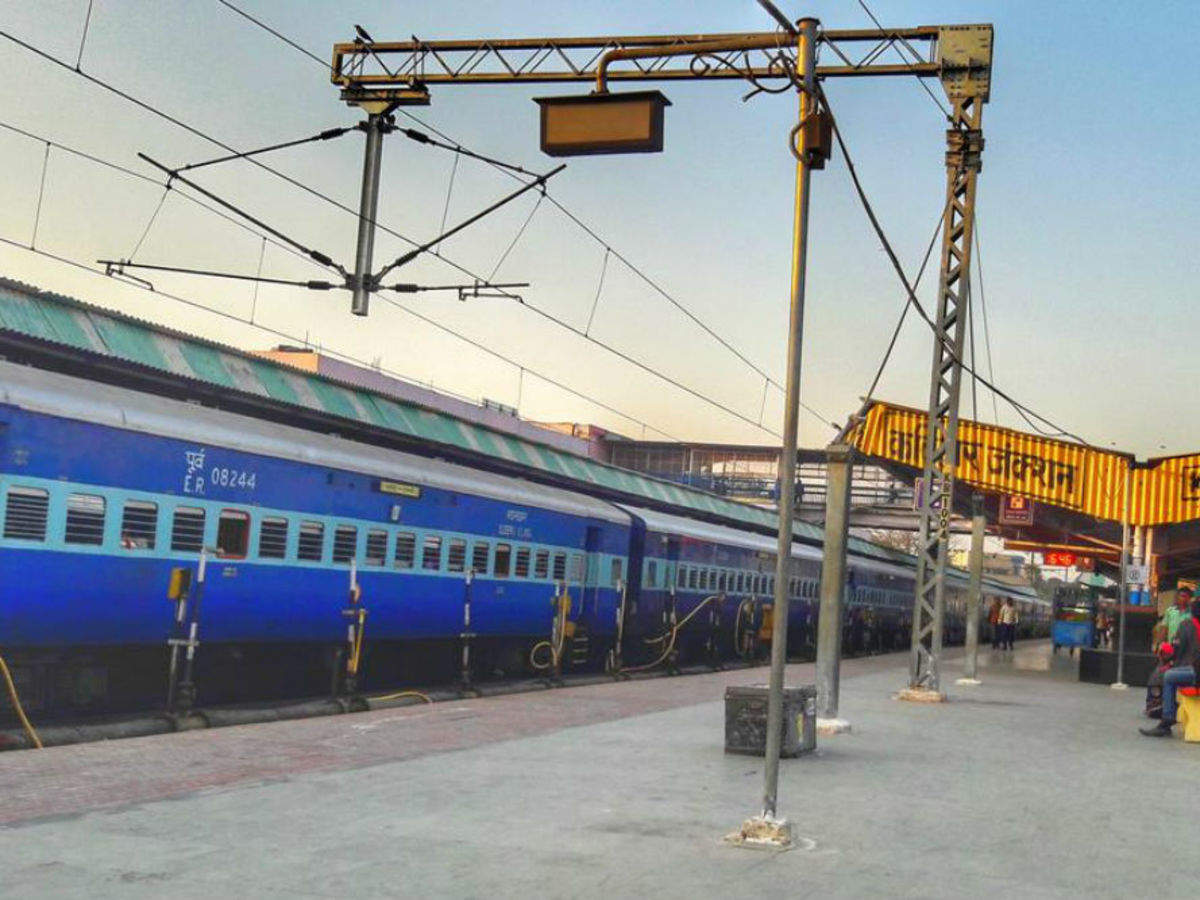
(265,27)
(150,222)
(675,383)
(296,339)
(197,132)
(1025,411)
(971,330)
(916,58)
(508,169)
(987,338)
(87,22)
(516,237)
(37,215)
(142,177)
(904,310)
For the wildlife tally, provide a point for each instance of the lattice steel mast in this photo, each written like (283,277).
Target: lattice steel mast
(967,90)
(373,72)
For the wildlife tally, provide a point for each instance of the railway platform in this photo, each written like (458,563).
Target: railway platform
(1030,784)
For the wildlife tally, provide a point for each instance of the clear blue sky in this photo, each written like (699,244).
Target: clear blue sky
(1088,207)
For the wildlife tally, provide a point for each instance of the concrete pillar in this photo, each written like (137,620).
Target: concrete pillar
(833,586)
(974,591)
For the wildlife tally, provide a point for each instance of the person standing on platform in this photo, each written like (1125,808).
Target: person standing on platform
(1178,613)
(994,621)
(1181,673)
(1008,624)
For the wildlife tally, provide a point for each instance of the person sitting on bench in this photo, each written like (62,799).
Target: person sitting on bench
(1154,685)
(1182,671)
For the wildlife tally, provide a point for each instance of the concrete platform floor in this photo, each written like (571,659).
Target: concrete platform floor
(1028,785)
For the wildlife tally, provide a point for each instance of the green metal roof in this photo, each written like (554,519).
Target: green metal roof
(64,320)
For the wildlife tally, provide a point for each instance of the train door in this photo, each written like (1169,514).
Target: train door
(589,590)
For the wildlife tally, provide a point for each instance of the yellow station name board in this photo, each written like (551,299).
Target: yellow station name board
(1061,473)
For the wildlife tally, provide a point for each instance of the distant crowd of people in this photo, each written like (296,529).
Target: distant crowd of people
(1003,618)
(1179,661)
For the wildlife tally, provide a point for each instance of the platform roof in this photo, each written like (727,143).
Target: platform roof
(55,319)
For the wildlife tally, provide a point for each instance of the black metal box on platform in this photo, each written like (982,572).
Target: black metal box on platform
(746,720)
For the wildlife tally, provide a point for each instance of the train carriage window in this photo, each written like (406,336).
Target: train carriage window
(739,582)
(376,547)
(233,533)
(311,545)
(693,578)
(456,555)
(651,573)
(521,569)
(406,550)
(577,568)
(345,543)
(139,523)
(85,519)
(560,567)
(503,560)
(541,564)
(25,513)
(431,552)
(721,582)
(272,538)
(479,557)
(187,529)
(615,571)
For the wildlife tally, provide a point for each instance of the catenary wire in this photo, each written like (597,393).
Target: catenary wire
(516,237)
(654,285)
(140,176)
(87,22)
(194,304)
(37,215)
(904,311)
(916,58)
(133,174)
(1024,411)
(197,132)
(987,338)
(150,222)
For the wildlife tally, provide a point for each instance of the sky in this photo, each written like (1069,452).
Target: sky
(1088,206)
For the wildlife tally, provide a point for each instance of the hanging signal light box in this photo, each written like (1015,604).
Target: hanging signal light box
(627,122)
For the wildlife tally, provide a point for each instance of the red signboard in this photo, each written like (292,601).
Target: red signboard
(1016,510)
(1058,558)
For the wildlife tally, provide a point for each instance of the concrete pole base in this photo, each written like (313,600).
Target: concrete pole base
(921,695)
(1118,686)
(967,681)
(832,726)
(762,833)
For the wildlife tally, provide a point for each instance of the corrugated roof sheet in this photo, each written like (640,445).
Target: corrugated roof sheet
(65,320)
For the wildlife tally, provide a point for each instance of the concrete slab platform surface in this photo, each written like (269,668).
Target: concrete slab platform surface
(1029,784)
